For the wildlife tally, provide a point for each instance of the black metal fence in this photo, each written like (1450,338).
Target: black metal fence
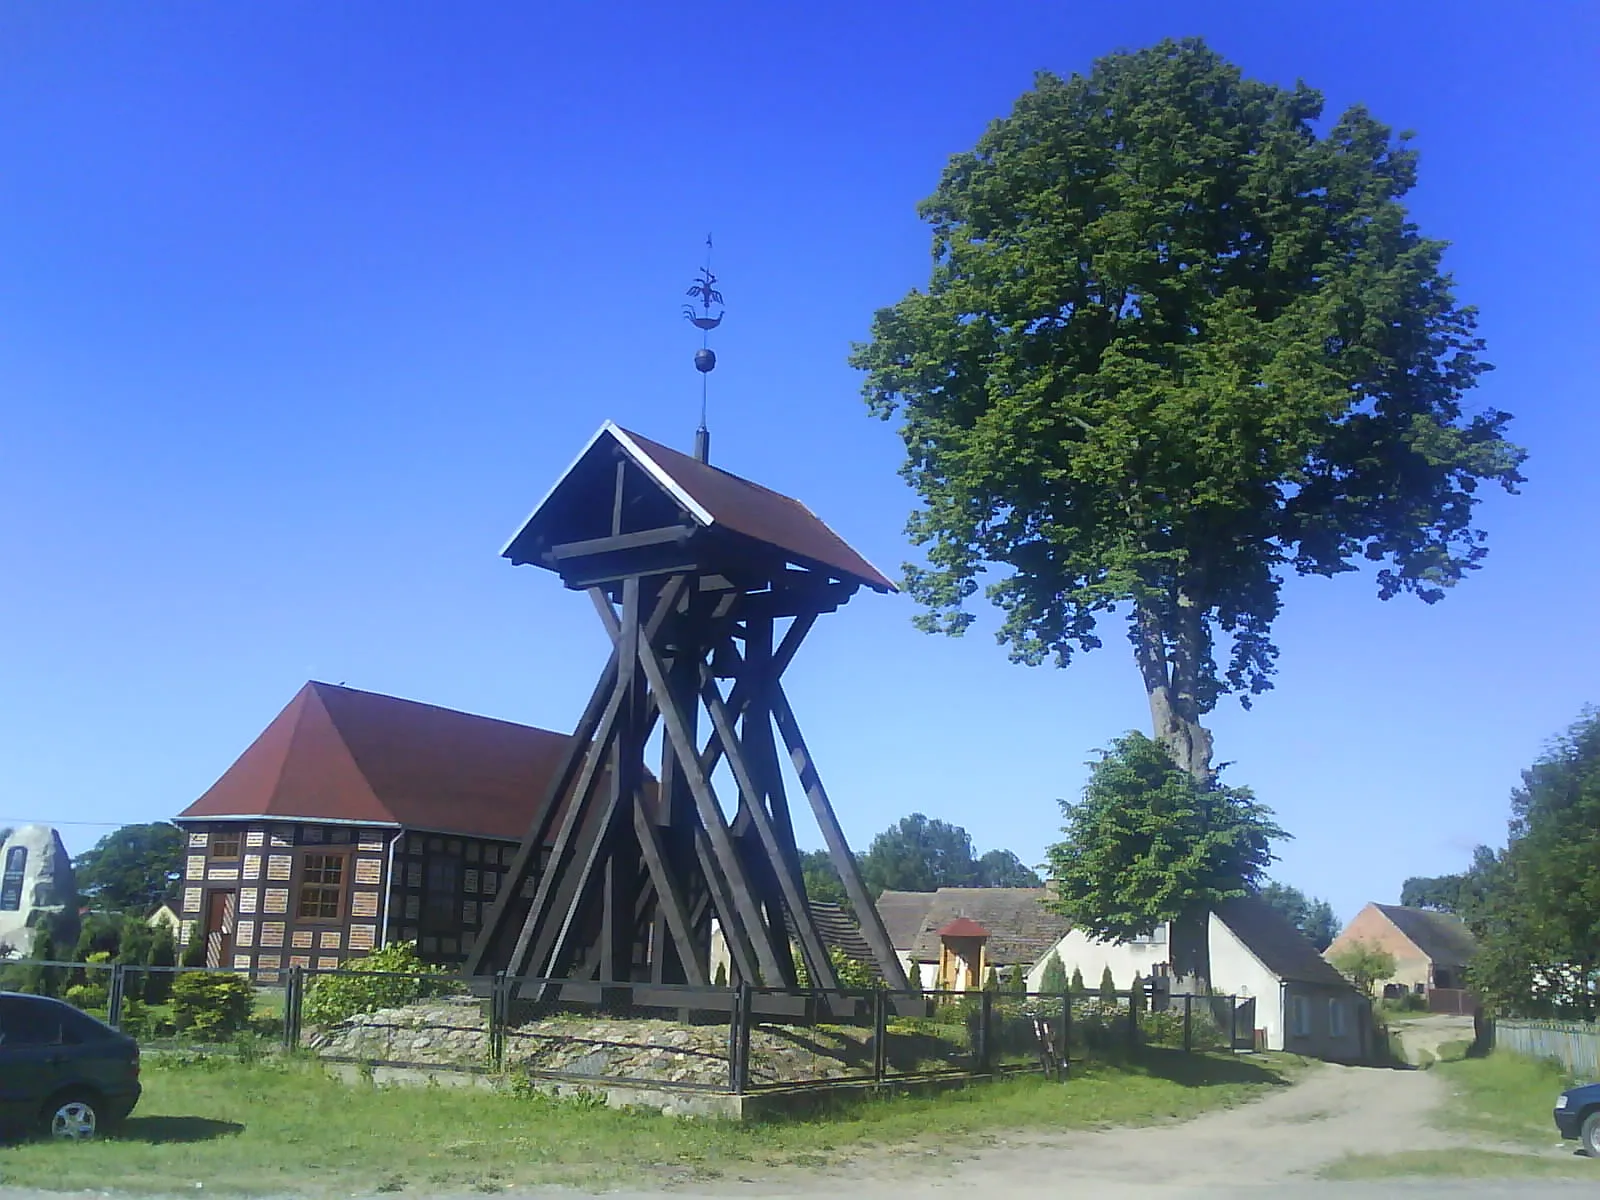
(740,1039)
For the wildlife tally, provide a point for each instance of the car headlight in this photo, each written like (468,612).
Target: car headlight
(1561,1100)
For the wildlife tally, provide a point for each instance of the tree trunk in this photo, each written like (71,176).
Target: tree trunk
(1170,680)
(1169,684)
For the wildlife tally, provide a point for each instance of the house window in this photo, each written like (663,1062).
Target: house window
(226,845)
(441,896)
(1336,1018)
(1299,1016)
(321,888)
(1156,937)
(11,885)
(1442,978)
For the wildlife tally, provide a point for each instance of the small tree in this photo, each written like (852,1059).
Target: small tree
(1363,964)
(41,981)
(721,980)
(1136,994)
(1108,986)
(1076,985)
(914,975)
(991,982)
(1016,981)
(1054,977)
(194,950)
(1149,844)
(163,953)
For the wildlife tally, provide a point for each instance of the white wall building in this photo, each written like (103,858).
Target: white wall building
(1301,1003)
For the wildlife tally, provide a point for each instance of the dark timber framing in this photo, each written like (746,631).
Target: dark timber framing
(638,869)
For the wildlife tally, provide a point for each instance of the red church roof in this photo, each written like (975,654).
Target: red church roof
(338,754)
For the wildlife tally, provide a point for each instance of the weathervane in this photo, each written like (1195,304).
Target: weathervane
(704,289)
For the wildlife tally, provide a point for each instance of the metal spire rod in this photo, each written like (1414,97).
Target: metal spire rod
(704,290)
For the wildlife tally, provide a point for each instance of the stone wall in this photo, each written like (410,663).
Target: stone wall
(453,1032)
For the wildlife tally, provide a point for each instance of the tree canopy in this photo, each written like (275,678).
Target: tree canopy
(1363,964)
(1532,905)
(1149,843)
(1311,916)
(1176,345)
(921,854)
(1439,892)
(133,869)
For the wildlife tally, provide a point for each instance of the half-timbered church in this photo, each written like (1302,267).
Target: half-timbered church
(355,819)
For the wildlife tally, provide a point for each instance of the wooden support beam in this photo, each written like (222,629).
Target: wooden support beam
(790,886)
(674,535)
(627,764)
(844,862)
(669,901)
(741,946)
(710,812)
(526,860)
(740,697)
(592,750)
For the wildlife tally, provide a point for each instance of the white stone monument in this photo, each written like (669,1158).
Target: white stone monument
(35,880)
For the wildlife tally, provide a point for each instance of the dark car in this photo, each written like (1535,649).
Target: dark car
(61,1071)
(1578,1116)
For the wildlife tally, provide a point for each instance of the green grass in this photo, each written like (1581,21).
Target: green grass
(1463,1164)
(279,1126)
(1502,1098)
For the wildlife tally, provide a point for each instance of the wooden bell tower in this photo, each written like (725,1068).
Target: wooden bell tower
(707,584)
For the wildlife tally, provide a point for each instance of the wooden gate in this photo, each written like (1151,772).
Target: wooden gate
(1244,1024)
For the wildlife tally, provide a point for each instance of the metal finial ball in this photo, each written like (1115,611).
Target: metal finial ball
(704,361)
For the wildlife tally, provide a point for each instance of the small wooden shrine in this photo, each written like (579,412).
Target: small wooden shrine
(707,584)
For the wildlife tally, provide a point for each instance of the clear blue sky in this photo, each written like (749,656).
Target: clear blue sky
(302,306)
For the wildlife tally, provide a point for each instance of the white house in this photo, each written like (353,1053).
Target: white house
(1301,1003)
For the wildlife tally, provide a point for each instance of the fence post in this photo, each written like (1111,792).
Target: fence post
(982,1051)
(1133,1023)
(1064,1050)
(880,1034)
(1188,1023)
(114,996)
(739,1038)
(498,998)
(291,1008)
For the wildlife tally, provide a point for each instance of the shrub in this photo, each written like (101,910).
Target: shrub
(211,1007)
(333,998)
(1108,986)
(1076,985)
(1016,982)
(853,974)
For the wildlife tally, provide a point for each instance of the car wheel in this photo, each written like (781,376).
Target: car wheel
(72,1118)
(1589,1134)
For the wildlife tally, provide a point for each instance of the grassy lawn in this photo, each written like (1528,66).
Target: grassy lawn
(286,1126)
(1502,1098)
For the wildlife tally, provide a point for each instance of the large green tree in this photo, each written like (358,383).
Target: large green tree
(1311,915)
(921,854)
(134,869)
(1149,843)
(1178,344)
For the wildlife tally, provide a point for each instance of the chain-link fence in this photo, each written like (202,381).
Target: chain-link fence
(739,1039)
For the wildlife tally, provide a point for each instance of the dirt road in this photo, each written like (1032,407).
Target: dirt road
(1274,1145)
